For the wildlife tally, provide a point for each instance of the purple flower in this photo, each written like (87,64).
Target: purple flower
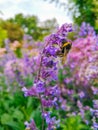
(95,90)
(65,29)
(31,125)
(47,103)
(40,86)
(95,125)
(50,120)
(94,112)
(68,80)
(54,39)
(81,94)
(86,29)
(49,74)
(51,51)
(48,63)
(55,91)
(95,104)
(30,92)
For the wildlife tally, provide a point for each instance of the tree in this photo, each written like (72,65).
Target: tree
(32,26)
(81,11)
(95,10)
(14,31)
(3,35)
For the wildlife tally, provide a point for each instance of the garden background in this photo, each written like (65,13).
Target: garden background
(43,84)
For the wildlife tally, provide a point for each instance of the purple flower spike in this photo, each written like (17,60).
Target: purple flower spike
(47,72)
(31,125)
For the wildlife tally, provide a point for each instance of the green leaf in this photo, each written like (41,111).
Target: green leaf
(14,125)
(5,118)
(1,128)
(74,123)
(37,118)
(18,115)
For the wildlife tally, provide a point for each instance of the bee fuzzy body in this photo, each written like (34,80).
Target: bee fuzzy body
(66,46)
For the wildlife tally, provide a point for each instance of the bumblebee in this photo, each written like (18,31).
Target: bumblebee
(66,46)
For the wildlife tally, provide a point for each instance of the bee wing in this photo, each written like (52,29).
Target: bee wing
(64,56)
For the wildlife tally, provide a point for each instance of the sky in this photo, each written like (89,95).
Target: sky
(43,9)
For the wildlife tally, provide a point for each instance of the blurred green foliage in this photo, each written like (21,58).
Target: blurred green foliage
(84,11)
(15,28)
(32,26)
(74,123)
(95,11)
(80,10)
(15,109)
(3,35)
(11,31)
(14,31)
